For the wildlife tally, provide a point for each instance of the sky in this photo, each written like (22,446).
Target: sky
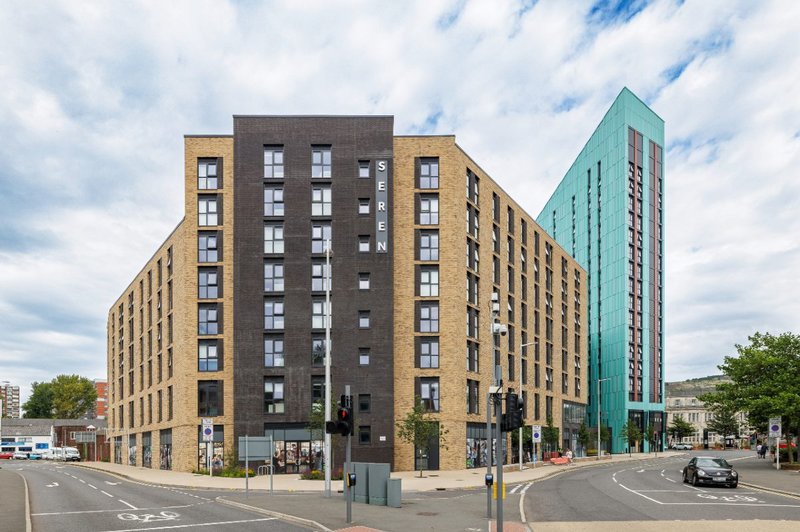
(96,97)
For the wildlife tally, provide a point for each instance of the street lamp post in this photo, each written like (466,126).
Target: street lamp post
(523,346)
(327,451)
(599,380)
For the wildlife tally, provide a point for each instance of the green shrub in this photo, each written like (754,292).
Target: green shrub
(318,474)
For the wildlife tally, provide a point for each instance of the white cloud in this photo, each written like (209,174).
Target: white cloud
(97,99)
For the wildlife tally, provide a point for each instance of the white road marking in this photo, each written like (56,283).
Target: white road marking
(199,524)
(640,471)
(528,485)
(128,504)
(53,485)
(112,483)
(116,510)
(514,490)
(82,481)
(94,488)
(670,479)
(107,494)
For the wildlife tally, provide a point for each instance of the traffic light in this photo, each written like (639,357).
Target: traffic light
(513,415)
(344,423)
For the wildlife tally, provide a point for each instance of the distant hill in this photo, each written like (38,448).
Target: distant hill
(694,387)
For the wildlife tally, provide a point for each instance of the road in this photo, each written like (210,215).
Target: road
(67,498)
(650,490)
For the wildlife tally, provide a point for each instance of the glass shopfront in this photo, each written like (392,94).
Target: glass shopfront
(477,455)
(165,449)
(147,453)
(132,449)
(295,450)
(218,454)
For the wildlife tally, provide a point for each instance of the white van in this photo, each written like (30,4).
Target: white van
(71,454)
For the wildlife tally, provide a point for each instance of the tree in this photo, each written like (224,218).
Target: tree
(764,383)
(550,434)
(584,436)
(631,433)
(73,396)
(527,437)
(680,428)
(418,428)
(724,421)
(40,403)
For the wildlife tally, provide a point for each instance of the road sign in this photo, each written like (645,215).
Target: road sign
(258,448)
(774,427)
(537,434)
(208,429)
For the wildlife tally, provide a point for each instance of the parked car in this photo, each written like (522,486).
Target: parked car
(19,455)
(71,454)
(683,447)
(710,470)
(6,455)
(34,456)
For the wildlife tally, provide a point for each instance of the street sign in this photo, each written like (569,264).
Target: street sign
(258,448)
(85,437)
(775,427)
(208,429)
(537,434)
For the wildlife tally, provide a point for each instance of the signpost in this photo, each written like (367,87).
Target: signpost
(537,438)
(775,432)
(208,437)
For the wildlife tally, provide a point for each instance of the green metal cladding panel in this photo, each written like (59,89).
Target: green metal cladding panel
(571,216)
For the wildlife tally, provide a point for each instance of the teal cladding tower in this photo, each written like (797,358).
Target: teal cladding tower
(608,212)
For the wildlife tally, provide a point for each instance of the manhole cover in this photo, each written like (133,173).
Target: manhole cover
(427,514)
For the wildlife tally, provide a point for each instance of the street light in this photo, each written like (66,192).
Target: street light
(598,413)
(327,450)
(520,390)
(93,429)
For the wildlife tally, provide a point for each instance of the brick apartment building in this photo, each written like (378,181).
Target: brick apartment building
(227,319)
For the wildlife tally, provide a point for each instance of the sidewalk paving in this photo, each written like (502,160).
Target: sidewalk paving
(14,505)
(762,474)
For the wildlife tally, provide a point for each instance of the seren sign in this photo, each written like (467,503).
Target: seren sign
(381,206)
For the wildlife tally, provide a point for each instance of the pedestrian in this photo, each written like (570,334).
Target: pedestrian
(758,450)
(568,454)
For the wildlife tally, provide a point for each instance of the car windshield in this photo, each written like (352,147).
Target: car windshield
(712,462)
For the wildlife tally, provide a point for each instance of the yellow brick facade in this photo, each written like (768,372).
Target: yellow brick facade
(452,371)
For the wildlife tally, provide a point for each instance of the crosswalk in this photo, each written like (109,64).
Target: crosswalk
(520,488)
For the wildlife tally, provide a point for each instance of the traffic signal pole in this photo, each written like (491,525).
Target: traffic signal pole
(500,459)
(347,464)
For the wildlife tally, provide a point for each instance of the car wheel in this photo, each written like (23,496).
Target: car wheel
(735,484)
(685,480)
(694,480)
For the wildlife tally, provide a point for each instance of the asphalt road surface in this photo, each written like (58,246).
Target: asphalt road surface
(650,490)
(66,498)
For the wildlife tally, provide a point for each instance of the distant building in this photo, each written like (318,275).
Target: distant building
(32,435)
(682,400)
(10,397)
(99,410)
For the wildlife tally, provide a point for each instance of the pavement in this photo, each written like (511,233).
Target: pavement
(14,502)
(422,496)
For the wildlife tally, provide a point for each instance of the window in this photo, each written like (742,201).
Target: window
(207,356)
(473,397)
(321,161)
(363,319)
(429,281)
(273,162)
(320,235)
(363,356)
(207,247)
(364,402)
(429,317)
(273,238)
(207,211)
(429,352)
(364,435)
(273,395)
(363,169)
(273,314)
(472,356)
(273,201)
(429,245)
(318,314)
(207,287)
(429,173)
(321,201)
(363,206)
(317,389)
(207,321)
(207,174)
(317,351)
(273,352)
(429,392)
(320,273)
(510,220)
(273,277)
(363,243)
(209,399)
(363,281)
(429,210)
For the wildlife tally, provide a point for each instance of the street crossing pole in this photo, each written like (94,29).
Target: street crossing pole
(500,459)
(347,489)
